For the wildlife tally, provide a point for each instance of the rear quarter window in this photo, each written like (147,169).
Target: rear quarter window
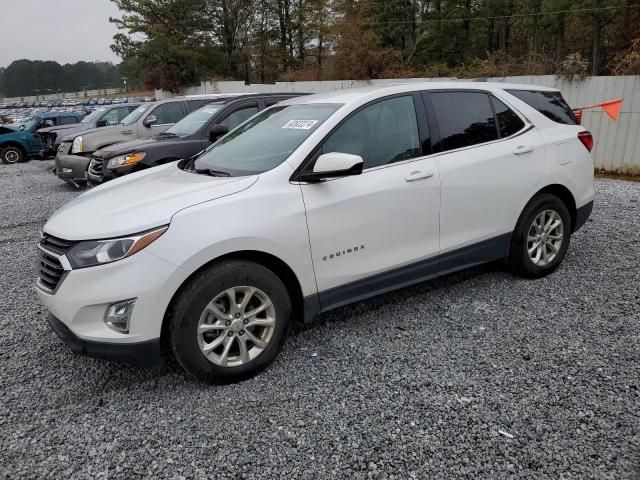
(550,104)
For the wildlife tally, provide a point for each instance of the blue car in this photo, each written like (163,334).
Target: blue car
(20,141)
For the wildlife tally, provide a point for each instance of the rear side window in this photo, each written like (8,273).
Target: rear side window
(508,122)
(550,104)
(464,119)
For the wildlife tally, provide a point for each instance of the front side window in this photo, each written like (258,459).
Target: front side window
(168,113)
(508,122)
(265,141)
(67,120)
(383,133)
(464,119)
(192,122)
(239,116)
(111,117)
(93,115)
(136,114)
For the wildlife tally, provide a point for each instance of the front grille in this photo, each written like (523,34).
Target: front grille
(50,270)
(64,148)
(51,139)
(95,166)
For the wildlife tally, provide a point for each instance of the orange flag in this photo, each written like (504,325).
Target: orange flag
(611,108)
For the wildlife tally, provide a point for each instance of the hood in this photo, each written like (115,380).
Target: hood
(61,129)
(71,136)
(4,129)
(130,146)
(138,202)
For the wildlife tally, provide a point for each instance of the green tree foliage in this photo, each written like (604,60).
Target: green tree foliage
(172,43)
(29,77)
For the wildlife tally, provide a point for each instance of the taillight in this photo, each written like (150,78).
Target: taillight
(587,139)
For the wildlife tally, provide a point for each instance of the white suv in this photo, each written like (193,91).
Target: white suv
(311,204)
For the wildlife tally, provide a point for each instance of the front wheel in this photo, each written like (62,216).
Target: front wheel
(541,238)
(230,322)
(11,154)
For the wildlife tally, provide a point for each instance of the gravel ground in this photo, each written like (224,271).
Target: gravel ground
(476,375)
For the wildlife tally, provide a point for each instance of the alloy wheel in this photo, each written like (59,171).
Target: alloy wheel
(236,326)
(545,237)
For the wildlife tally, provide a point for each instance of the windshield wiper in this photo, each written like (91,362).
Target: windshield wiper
(212,173)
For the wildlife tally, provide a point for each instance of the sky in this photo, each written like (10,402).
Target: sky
(62,30)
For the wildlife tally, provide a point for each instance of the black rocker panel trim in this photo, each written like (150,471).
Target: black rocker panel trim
(476,254)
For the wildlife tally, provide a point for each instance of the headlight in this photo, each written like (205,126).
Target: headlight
(76,147)
(126,160)
(97,252)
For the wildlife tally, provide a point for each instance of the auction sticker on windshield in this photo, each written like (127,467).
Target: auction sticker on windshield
(300,124)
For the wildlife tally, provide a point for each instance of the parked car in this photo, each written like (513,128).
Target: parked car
(312,204)
(147,120)
(187,137)
(100,117)
(20,141)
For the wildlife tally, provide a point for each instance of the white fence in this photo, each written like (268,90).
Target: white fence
(69,95)
(617,144)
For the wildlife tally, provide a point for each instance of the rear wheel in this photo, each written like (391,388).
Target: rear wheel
(541,238)
(11,154)
(230,322)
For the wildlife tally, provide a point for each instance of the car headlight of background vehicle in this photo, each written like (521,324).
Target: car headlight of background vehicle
(76,146)
(89,253)
(126,160)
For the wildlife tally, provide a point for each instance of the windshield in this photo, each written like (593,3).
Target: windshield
(266,140)
(192,122)
(136,114)
(30,123)
(93,115)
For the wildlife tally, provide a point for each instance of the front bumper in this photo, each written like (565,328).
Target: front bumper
(82,297)
(143,354)
(71,168)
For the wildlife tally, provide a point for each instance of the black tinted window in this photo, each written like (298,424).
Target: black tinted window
(168,113)
(382,133)
(550,104)
(464,119)
(239,116)
(508,122)
(196,104)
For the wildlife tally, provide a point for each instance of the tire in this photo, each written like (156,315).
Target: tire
(543,210)
(193,331)
(11,154)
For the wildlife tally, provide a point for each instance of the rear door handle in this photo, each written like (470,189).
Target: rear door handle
(522,149)
(127,132)
(418,176)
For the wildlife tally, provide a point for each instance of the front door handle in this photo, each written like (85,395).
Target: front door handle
(418,175)
(127,132)
(522,149)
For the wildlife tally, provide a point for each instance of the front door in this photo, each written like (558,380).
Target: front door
(364,229)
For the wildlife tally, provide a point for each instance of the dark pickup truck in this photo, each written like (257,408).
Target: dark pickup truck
(192,134)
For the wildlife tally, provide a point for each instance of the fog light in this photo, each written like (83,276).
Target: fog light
(67,170)
(118,315)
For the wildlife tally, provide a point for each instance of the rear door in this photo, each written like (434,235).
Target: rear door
(490,160)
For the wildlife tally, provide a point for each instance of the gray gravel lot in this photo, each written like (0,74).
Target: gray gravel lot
(418,383)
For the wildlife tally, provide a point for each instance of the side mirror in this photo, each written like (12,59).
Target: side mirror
(217,131)
(101,123)
(333,165)
(150,120)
